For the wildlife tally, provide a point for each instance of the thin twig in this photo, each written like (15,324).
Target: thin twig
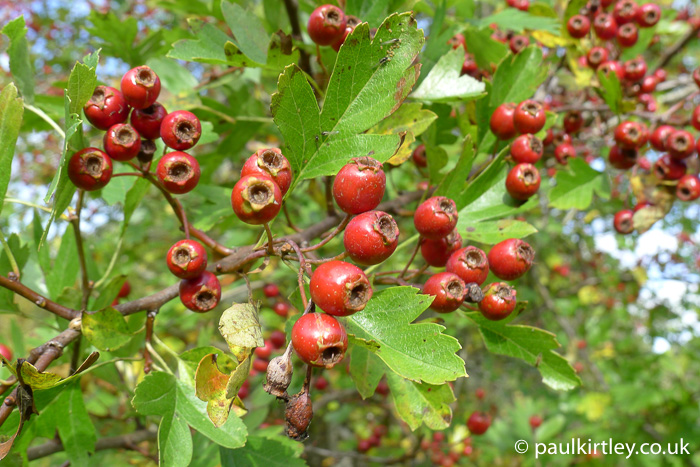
(85,280)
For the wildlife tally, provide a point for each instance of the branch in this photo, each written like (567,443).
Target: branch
(38,300)
(126,441)
(85,281)
(293,13)
(675,48)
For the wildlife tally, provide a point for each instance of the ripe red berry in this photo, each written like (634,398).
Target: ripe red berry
(202,293)
(90,169)
(626,11)
(436,217)
(437,252)
(695,118)
(147,121)
(326,24)
(688,188)
(578,26)
(319,340)
(648,85)
(480,393)
(523,181)
(696,76)
(573,121)
(659,137)
(6,352)
(270,162)
(278,339)
(526,148)
(535,421)
(623,222)
(669,168)
(564,152)
(640,205)
(518,43)
(187,259)
(271,290)
(621,158)
(511,259)
(180,130)
(469,65)
(448,289)
(106,107)
(351,24)
(648,15)
(611,66)
(321,383)
(469,264)
(635,69)
(630,135)
(529,117)
(596,56)
(125,290)
(140,87)
(178,172)
(498,302)
(363,446)
(561,138)
(256,199)
(457,41)
(122,142)
(680,144)
(478,423)
(627,35)
(661,74)
(359,185)
(264,352)
(419,156)
(501,123)
(371,237)
(648,101)
(281,309)
(340,288)
(605,26)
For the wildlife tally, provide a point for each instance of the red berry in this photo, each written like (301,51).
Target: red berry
(321,383)
(478,423)
(90,169)
(319,340)
(564,152)
(326,24)
(278,339)
(469,66)
(436,217)
(437,252)
(6,352)
(281,309)
(578,26)
(202,293)
(696,76)
(140,87)
(469,264)
(106,107)
(648,85)
(178,172)
(522,5)
(448,290)
(523,181)
(125,290)
(660,74)
(695,118)
(635,69)
(622,159)
(518,43)
(363,446)
(256,199)
(371,237)
(244,391)
(581,344)
(659,137)
(501,123)
(630,135)
(260,365)
(359,185)
(511,259)
(561,138)
(498,302)
(611,66)
(680,144)
(271,290)
(526,148)
(596,56)
(688,188)
(147,121)
(535,421)
(187,259)
(351,24)
(648,15)
(605,26)
(122,142)
(626,11)
(180,130)
(627,35)
(457,41)
(573,121)
(640,205)
(529,117)
(382,388)
(623,221)
(264,352)
(648,101)
(272,163)
(480,393)
(419,156)
(340,288)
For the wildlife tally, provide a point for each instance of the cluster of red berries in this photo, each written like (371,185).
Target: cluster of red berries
(108,109)
(372,441)
(200,290)
(444,454)
(280,307)
(329,25)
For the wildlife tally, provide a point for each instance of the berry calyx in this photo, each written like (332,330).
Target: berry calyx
(180,130)
(669,168)
(371,237)
(256,199)
(501,122)
(688,188)
(526,148)
(659,136)
(187,259)
(106,107)
(122,142)
(272,163)
(517,43)
(90,169)
(578,26)
(523,181)
(680,144)
(178,172)
(319,340)
(448,291)
(147,121)
(529,117)
(478,423)
(511,259)
(140,87)
(622,222)
(326,24)
(359,185)
(436,217)
(564,152)
(499,301)
(340,288)
(437,252)
(470,264)
(201,293)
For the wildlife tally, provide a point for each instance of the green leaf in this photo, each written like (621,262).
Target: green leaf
(248,30)
(107,294)
(366,370)
(20,61)
(65,266)
(486,50)
(517,21)
(174,77)
(81,84)
(175,447)
(133,199)
(610,90)
(410,119)
(240,327)
(575,188)
(646,35)
(492,232)
(116,41)
(419,352)
(437,160)
(453,185)
(573,8)
(75,428)
(106,329)
(421,403)
(534,346)
(264,452)
(210,45)
(11,111)
(445,83)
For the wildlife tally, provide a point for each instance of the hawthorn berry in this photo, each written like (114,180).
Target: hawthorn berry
(596,56)
(178,172)
(457,41)
(641,205)
(359,185)
(319,339)
(625,11)
(688,188)
(669,168)
(696,76)
(523,181)
(680,144)
(256,199)
(535,421)
(695,118)
(278,339)
(147,121)
(187,259)
(660,74)
(522,5)
(511,259)
(90,169)
(6,352)
(659,136)
(272,163)
(622,158)
(648,85)
(122,142)
(363,446)
(478,423)
(371,237)
(340,288)
(469,66)
(529,117)
(605,26)
(180,130)
(499,301)
(125,290)
(564,152)
(271,290)
(561,138)
(147,151)
(326,24)
(321,383)
(437,252)
(578,26)
(140,87)
(648,101)
(448,291)
(106,108)
(281,309)
(612,66)
(623,221)
(201,293)
(627,35)
(526,148)
(630,135)
(517,43)
(648,15)
(470,264)
(351,24)
(419,156)
(635,69)
(573,121)
(501,122)
(436,217)
(265,351)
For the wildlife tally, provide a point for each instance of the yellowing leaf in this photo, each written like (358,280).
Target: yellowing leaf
(594,405)
(551,40)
